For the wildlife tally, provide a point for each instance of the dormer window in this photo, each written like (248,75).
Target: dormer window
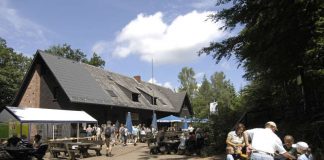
(154,100)
(55,93)
(135,97)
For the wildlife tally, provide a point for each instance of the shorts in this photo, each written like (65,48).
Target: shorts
(108,141)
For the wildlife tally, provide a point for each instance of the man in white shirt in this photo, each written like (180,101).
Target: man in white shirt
(190,128)
(264,142)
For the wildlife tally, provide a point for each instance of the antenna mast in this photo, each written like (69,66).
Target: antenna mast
(153,98)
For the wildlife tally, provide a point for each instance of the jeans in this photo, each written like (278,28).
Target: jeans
(260,156)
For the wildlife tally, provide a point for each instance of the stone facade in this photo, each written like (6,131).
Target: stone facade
(32,93)
(38,93)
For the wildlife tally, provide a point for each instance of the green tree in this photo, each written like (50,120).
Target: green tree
(205,90)
(228,108)
(188,81)
(96,60)
(13,66)
(67,51)
(279,41)
(223,91)
(200,103)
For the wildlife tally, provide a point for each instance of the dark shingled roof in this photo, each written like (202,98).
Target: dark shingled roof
(84,83)
(75,80)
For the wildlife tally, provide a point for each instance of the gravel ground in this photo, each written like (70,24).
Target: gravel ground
(141,151)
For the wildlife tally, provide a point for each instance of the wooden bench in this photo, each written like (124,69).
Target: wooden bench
(56,147)
(97,146)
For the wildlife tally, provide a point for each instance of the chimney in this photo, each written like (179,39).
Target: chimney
(138,78)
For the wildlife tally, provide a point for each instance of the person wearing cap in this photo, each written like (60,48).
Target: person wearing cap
(264,142)
(302,148)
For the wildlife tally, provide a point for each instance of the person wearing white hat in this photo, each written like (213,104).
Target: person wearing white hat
(302,148)
(264,142)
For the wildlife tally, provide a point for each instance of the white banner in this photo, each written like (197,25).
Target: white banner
(213,108)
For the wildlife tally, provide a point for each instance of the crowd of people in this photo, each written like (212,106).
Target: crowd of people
(188,141)
(264,144)
(191,141)
(256,144)
(120,134)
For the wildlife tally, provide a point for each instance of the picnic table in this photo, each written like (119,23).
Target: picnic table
(56,148)
(82,148)
(71,148)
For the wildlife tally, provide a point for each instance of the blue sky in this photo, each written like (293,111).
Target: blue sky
(126,33)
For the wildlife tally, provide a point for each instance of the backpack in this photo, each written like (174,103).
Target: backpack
(198,135)
(108,132)
(122,131)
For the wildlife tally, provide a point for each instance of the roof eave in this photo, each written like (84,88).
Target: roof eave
(153,109)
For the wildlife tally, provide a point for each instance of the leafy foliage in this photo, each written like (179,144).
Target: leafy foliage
(229,109)
(280,41)
(66,51)
(13,66)
(281,48)
(75,54)
(204,96)
(96,61)
(187,81)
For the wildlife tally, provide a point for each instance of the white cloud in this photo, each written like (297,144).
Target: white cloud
(154,81)
(149,36)
(102,47)
(166,84)
(21,30)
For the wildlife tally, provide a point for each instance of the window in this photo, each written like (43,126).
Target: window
(58,128)
(111,93)
(135,97)
(55,93)
(154,100)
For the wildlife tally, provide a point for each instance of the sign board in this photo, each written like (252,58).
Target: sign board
(213,108)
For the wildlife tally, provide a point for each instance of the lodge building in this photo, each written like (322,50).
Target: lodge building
(58,83)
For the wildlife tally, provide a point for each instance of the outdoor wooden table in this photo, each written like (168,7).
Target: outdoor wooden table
(82,147)
(19,152)
(171,145)
(56,147)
